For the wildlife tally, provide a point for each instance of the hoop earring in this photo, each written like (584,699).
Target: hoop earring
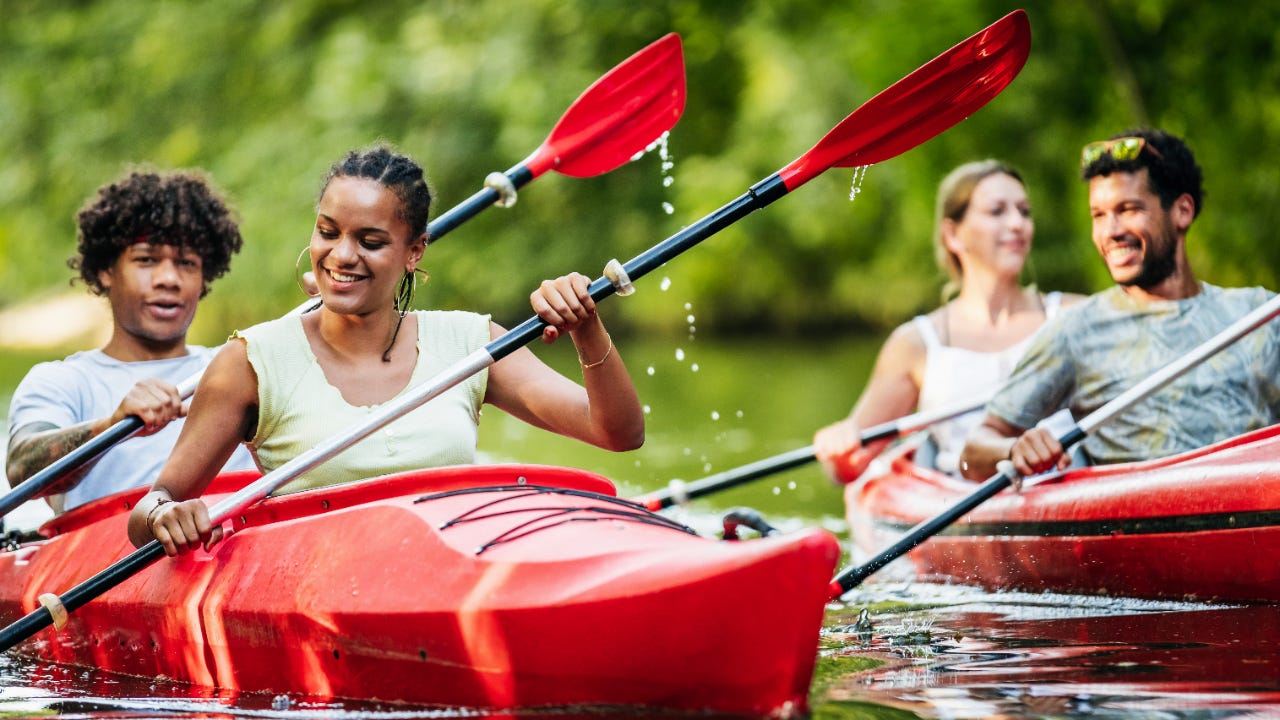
(300,275)
(405,290)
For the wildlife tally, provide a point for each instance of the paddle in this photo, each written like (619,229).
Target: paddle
(916,108)
(680,493)
(852,577)
(619,115)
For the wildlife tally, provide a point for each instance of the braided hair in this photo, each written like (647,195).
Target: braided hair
(395,171)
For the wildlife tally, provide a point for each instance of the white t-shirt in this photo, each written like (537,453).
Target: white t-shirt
(90,385)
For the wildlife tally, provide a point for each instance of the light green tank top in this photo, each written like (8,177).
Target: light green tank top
(298,408)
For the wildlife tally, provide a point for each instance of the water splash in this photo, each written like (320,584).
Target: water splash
(680,354)
(715,415)
(859,174)
(665,285)
(668,164)
(650,370)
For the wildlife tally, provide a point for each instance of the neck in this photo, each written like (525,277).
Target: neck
(130,348)
(357,335)
(993,297)
(1180,285)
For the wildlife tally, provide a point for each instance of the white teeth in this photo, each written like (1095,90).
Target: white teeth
(344,278)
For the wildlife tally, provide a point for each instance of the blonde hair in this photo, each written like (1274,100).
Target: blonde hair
(954,194)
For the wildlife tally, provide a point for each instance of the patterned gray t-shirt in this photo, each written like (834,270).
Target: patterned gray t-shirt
(1101,347)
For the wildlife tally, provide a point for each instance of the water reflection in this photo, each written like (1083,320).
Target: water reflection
(1031,656)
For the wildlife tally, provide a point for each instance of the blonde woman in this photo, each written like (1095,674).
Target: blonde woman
(965,349)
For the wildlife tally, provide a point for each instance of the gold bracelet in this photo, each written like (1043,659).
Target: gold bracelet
(151,514)
(586,365)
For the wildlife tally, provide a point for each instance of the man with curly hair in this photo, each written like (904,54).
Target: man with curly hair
(150,243)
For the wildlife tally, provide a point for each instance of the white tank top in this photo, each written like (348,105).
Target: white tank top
(953,375)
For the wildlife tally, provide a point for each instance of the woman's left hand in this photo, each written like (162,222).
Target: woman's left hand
(564,304)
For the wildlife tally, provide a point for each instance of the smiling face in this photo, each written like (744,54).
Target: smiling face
(361,246)
(153,291)
(996,229)
(1137,238)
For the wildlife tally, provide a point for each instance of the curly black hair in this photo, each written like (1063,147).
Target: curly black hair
(395,171)
(1171,169)
(180,208)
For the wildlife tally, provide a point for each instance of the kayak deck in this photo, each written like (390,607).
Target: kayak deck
(487,587)
(1189,526)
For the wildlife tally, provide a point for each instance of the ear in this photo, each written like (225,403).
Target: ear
(104,278)
(416,250)
(1182,212)
(950,239)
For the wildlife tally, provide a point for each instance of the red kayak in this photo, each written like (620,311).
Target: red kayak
(1203,525)
(508,586)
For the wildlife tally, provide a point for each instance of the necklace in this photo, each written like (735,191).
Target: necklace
(386,354)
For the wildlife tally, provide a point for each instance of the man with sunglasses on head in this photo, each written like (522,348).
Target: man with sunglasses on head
(1144,193)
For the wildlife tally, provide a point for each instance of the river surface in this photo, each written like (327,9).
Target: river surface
(945,651)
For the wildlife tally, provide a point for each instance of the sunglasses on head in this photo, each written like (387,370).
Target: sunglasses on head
(1121,149)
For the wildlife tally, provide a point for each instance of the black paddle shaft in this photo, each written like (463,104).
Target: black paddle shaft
(69,463)
(759,195)
(469,208)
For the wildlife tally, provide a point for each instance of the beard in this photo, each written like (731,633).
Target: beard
(1158,263)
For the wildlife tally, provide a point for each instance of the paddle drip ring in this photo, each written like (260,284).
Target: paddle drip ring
(505,188)
(57,611)
(617,274)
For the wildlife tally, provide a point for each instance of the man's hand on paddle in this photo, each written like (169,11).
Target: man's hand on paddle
(1037,451)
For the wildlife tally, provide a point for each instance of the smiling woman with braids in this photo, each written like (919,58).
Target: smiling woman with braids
(286,385)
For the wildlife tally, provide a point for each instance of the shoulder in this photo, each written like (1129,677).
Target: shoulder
(270,328)
(1250,296)
(230,370)
(906,344)
(457,320)
(76,368)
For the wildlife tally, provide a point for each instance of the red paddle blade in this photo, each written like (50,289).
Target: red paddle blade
(620,115)
(936,96)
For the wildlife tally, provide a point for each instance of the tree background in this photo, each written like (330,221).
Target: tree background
(265,96)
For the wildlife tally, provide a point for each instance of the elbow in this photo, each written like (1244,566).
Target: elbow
(633,440)
(623,439)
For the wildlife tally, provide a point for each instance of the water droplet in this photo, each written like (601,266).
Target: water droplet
(646,410)
(668,208)
(680,354)
(739,413)
(859,174)
(666,181)
(689,318)
(791,485)
(688,306)
(694,367)
(687,451)
(665,284)
(715,415)
(777,490)
(650,370)
(706,468)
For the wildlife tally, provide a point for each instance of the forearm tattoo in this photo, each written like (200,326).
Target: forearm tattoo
(40,444)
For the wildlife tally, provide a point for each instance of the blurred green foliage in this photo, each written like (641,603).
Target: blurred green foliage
(264,96)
